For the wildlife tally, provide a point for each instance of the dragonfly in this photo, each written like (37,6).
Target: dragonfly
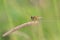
(35,18)
(34,21)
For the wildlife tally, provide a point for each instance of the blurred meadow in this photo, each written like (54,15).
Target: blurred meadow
(16,12)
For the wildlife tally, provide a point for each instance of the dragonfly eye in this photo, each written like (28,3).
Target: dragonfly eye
(32,17)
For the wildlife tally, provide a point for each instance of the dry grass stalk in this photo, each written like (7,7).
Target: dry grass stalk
(19,26)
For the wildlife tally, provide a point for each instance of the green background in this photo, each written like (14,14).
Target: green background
(16,12)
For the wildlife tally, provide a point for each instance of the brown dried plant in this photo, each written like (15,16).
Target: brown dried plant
(34,21)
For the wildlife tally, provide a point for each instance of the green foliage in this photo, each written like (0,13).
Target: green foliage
(16,12)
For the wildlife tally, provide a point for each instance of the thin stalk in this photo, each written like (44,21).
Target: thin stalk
(18,27)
